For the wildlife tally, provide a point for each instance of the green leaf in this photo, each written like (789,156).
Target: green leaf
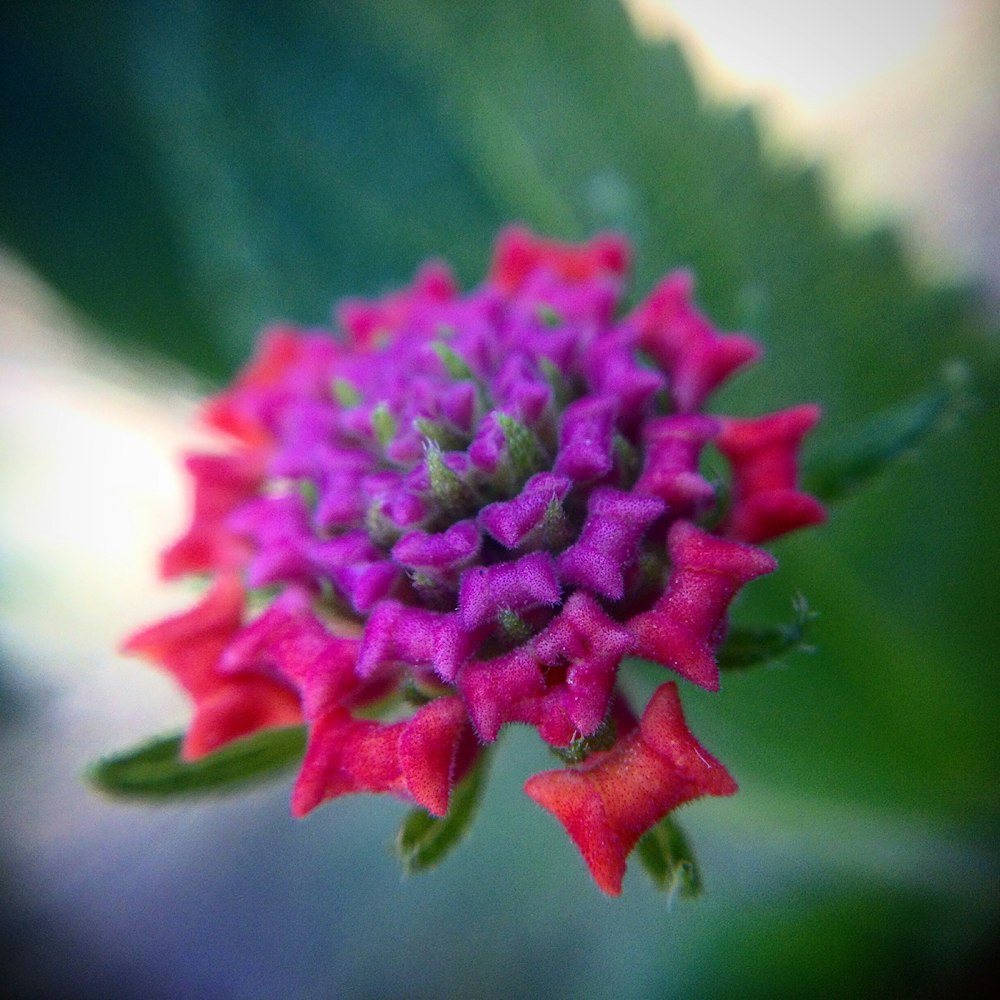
(155,769)
(668,858)
(195,171)
(864,451)
(424,841)
(749,647)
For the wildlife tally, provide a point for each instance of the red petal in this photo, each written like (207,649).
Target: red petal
(429,750)
(292,641)
(348,755)
(684,343)
(190,646)
(573,799)
(519,253)
(611,801)
(238,708)
(278,350)
(685,626)
(763,453)
(221,484)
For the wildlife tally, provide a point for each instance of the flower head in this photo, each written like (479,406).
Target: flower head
(462,511)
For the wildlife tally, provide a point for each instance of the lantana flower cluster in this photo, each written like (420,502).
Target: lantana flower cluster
(462,511)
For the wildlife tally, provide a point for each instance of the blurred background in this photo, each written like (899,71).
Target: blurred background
(174,176)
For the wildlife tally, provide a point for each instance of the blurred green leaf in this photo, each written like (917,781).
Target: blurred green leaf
(746,646)
(864,451)
(194,171)
(667,856)
(424,841)
(155,770)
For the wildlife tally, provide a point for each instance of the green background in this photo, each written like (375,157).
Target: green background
(183,173)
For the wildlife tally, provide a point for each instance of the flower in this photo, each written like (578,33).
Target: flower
(463,511)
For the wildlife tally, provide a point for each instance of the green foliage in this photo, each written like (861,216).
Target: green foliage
(864,451)
(155,770)
(424,841)
(183,191)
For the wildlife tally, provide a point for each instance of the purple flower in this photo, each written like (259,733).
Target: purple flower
(479,506)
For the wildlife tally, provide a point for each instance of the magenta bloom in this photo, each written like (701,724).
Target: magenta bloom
(461,511)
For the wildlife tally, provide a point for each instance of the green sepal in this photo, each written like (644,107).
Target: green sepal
(667,856)
(866,450)
(155,769)
(627,461)
(309,492)
(515,629)
(750,647)
(380,528)
(525,454)
(440,433)
(583,746)
(384,423)
(548,316)
(424,841)
(555,528)
(345,392)
(456,366)
(452,493)
(562,391)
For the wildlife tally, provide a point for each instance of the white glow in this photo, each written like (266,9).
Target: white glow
(91,488)
(898,101)
(809,52)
